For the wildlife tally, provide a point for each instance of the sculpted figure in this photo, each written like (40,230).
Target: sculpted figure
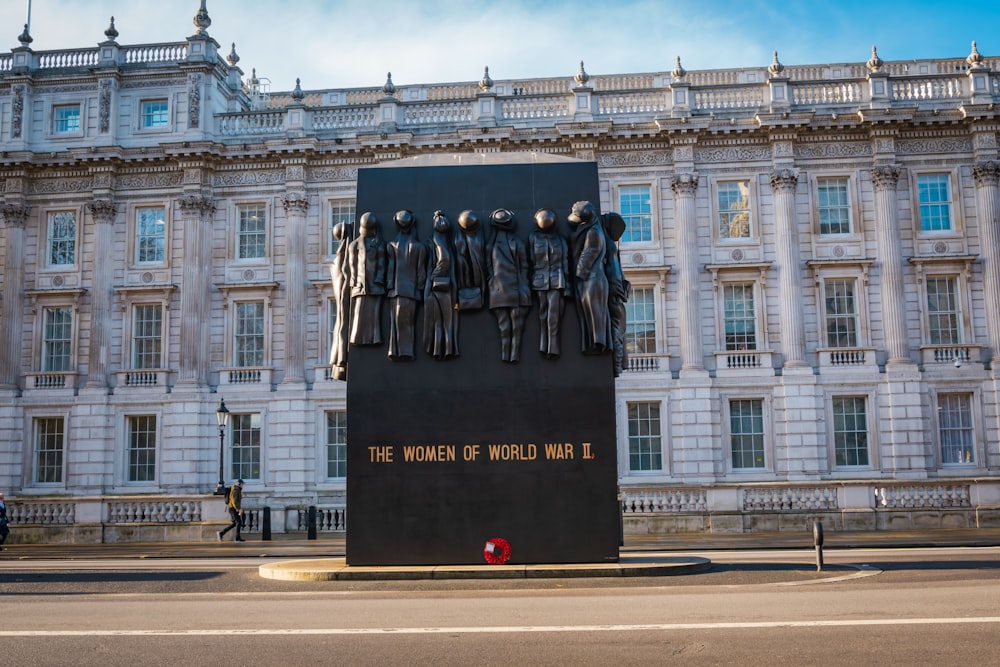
(590,247)
(507,277)
(406,272)
(366,259)
(549,256)
(342,296)
(470,261)
(618,289)
(441,294)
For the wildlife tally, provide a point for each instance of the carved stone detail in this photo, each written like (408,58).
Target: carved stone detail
(838,149)
(634,158)
(885,177)
(194,101)
(684,184)
(147,181)
(249,177)
(295,202)
(784,180)
(295,172)
(734,154)
(55,185)
(197,204)
(987,174)
(941,145)
(17,111)
(104,104)
(103,210)
(327,174)
(15,215)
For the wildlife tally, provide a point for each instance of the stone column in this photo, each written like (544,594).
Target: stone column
(987,175)
(296,205)
(793,338)
(12,304)
(103,212)
(689,302)
(885,178)
(197,211)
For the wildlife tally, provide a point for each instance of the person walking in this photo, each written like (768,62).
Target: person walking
(4,529)
(235,507)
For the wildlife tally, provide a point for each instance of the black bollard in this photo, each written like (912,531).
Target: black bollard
(265,524)
(311,523)
(818,542)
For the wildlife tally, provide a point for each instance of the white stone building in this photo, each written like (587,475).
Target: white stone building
(814,253)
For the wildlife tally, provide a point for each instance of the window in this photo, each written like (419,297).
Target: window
(251,234)
(61,239)
(943,310)
(249,339)
(147,336)
(150,234)
(341,210)
(644,437)
(49,447)
(746,433)
(141,449)
(934,191)
(246,446)
(850,431)
(66,118)
(841,313)
(640,327)
(336,444)
(834,206)
(955,429)
(739,316)
(734,210)
(57,339)
(635,207)
(154,113)
(331,325)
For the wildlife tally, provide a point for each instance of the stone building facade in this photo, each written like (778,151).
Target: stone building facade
(814,253)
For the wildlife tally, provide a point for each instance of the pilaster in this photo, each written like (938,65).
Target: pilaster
(15,217)
(884,178)
(793,345)
(987,177)
(197,211)
(689,301)
(296,206)
(102,211)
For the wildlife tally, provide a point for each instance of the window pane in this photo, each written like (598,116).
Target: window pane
(834,207)
(336,444)
(841,313)
(67,118)
(341,210)
(49,444)
(246,446)
(150,234)
(154,113)
(635,207)
(644,437)
(942,310)
(640,327)
(57,339)
(740,317)
(147,336)
(62,238)
(746,429)
(249,343)
(734,210)
(934,191)
(142,448)
(252,234)
(850,431)
(955,429)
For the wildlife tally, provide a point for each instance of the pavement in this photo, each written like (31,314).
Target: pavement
(641,555)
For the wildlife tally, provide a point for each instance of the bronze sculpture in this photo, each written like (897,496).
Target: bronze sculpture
(618,289)
(470,261)
(441,294)
(366,261)
(510,294)
(406,272)
(549,255)
(590,246)
(342,297)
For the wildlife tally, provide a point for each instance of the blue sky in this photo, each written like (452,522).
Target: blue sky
(348,43)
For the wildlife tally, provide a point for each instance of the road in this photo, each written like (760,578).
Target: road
(869,606)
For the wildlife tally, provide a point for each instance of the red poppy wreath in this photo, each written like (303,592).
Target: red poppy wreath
(497,551)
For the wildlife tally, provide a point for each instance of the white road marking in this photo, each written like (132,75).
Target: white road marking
(502,629)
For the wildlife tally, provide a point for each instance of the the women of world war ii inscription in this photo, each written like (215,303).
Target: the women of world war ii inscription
(480,391)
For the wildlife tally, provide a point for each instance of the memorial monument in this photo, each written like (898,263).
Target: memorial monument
(496,425)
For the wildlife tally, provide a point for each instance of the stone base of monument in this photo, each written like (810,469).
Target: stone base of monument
(337,569)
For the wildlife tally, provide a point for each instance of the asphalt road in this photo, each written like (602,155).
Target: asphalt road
(937,606)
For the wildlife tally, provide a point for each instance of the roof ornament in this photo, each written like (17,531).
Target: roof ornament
(486,82)
(975,59)
(679,72)
(233,57)
(775,68)
(111,33)
(25,37)
(297,94)
(581,77)
(874,63)
(201,20)
(389,88)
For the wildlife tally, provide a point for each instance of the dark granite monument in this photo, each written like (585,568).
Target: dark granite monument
(473,438)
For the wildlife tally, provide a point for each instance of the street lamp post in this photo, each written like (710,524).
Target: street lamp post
(222,417)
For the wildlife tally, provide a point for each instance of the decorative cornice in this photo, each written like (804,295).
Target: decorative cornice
(885,177)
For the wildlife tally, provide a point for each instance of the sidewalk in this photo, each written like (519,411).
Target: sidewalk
(283,545)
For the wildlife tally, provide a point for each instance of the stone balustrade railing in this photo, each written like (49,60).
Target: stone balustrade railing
(154,511)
